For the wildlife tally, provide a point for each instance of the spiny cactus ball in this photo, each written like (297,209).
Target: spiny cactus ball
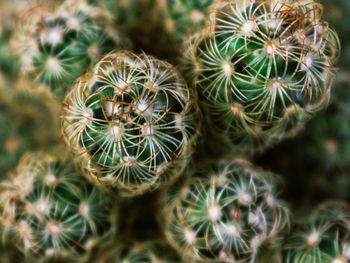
(226,214)
(57,43)
(48,210)
(131,122)
(262,68)
(323,238)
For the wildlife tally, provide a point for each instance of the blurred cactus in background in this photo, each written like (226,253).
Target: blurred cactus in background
(178,19)
(262,68)
(324,237)
(57,43)
(27,122)
(131,122)
(226,213)
(49,210)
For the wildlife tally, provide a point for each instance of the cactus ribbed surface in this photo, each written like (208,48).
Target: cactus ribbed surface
(56,43)
(226,214)
(48,210)
(131,122)
(262,68)
(323,238)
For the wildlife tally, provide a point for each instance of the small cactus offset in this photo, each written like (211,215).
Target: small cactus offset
(131,122)
(262,68)
(226,214)
(324,238)
(58,42)
(50,211)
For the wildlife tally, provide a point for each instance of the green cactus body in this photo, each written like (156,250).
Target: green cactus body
(226,217)
(324,238)
(262,68)
(48,210)
(131,122)
(57,44)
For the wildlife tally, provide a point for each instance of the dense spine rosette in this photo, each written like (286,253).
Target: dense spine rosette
(131,122)
(323,238)
(227,216)
(263,67)
(49,210)
(57,43)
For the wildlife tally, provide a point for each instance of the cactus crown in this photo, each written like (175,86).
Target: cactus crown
(263,66)
(48,210)
(133,120)
(324,238)
(228,216)
(56,44)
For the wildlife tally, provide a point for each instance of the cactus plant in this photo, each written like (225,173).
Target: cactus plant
(48,210)
(57,43)
(323,238)
(262,68)
(226,213)
(131,122)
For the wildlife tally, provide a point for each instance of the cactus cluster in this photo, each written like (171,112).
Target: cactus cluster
(49,210)
(131,122)
(56,44)
(262,68)
(130,131)
(226,214)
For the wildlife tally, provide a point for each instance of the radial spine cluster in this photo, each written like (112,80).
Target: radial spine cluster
(131,122)
(225,214)
(262,68)
(324,237)
(48,210)
(56,43)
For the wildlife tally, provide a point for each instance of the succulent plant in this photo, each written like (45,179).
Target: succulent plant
(57,43)
(131,122)
(262,68)
(322,238)
(226,213)
(49,210)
